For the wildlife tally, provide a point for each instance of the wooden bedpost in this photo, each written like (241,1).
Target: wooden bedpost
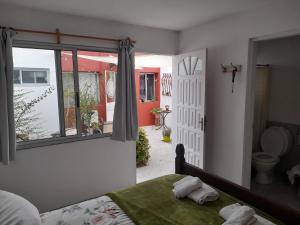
(179,160)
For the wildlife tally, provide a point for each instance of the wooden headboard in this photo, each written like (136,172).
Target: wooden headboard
(284,213)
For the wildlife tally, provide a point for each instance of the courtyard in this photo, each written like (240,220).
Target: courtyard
(162,157)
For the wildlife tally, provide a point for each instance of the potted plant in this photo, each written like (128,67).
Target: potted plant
(142,148)
(156,112)
(96,128)
(166,135)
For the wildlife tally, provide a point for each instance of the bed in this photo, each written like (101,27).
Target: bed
(152,203)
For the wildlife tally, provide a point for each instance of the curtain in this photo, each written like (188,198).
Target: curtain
(7,121)
(125,123)
(262,92)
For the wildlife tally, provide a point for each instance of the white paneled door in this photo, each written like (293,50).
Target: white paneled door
(189,72)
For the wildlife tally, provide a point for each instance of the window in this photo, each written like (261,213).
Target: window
(147,87)
(35,106)
(89,83)
(31,76)
(61,93)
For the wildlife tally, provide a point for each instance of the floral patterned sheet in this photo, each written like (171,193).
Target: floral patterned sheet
(98,211)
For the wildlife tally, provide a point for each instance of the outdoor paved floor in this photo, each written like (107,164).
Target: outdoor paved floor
(162,158)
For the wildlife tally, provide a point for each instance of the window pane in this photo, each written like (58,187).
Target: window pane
(110,91)
(17,77)
(35,106)
(142,87)
(90,85)
(69,94)
(28,77)
(96,91)
(150,87)
(41,77)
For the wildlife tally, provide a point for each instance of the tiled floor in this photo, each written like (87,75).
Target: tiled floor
(162,157)
(280,190)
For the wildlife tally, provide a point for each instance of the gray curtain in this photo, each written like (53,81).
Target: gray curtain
(125,123)
(7,121)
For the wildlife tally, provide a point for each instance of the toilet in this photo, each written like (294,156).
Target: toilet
(275,142)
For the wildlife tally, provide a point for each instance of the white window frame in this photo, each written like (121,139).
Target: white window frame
(21,69)
(146,86)
(58,48)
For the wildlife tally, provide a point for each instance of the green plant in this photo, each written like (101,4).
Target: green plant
(88,103)
(26,119)
(156,111)
(142,148)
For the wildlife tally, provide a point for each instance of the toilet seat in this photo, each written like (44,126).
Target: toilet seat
(275,141)
(265,158)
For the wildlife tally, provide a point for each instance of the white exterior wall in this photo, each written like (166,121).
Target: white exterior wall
(166,100)
(47,109)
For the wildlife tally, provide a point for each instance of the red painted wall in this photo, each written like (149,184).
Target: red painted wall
(145,118)
(88,65)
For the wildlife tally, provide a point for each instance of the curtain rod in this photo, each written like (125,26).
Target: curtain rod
(263,65)
(58,34)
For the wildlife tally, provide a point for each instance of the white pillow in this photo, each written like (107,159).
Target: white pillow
(15,210)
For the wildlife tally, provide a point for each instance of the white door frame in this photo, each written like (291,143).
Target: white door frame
(249,108)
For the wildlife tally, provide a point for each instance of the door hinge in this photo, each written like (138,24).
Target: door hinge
(203,123)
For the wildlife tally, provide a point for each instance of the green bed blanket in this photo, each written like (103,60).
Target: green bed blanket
(153,203)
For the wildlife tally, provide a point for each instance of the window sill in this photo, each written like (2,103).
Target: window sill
(57,141)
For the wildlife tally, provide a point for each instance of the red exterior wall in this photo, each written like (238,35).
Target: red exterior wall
(145,118)
(88,65)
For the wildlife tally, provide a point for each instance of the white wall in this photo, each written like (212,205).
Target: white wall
(227,41)
(149,40)
(58,175)
(54,176)
(166,100)
(283,55)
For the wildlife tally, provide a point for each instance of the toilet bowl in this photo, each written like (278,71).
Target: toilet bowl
(275,142)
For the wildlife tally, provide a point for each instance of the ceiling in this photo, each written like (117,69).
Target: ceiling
(167,14)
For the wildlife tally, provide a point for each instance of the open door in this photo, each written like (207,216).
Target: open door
(189,105)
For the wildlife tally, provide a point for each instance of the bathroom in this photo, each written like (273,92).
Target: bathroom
(276,122)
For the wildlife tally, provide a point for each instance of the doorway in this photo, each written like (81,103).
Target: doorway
(174,103)
(273,122)
(155,156)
